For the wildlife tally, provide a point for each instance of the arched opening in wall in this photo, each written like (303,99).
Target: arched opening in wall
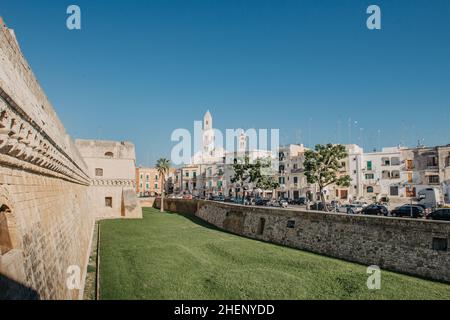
(109,155)
(5,237)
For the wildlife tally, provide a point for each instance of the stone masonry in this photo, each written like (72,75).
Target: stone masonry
(415,247)
(46,211)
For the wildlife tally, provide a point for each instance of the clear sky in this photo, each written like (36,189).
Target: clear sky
(140,69)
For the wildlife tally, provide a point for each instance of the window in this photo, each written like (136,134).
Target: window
(386,175)
(109,155)
(395,161)
(394,191)
(281,180)
(156,186)
(433,179)
(440,244)
(187,174)
(410,177)
(295,179)
(291,224)
(369,189)
(147,177)
(99,172)
(409,165)
(432,161)
(147,186)
(411,192)
(156,177)
(370,176)
(447,161)
(108,202)
(385,161)
(186,185)
(194,174)
(5,239)
(395,174)
(369,165)
(219,184)
(261,225)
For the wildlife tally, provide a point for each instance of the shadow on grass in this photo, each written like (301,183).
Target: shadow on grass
(200,222)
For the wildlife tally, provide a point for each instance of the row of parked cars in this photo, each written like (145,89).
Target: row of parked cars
(376,209)
(408,211)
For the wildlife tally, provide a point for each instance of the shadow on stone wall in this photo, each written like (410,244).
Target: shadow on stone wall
(12,290)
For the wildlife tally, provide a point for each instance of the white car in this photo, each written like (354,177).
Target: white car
(361,204)
(350,208)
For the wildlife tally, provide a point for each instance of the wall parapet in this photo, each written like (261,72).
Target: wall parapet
(31,135)
(410,246)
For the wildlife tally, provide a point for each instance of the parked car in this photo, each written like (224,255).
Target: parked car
(229,200)
(318,206)
(375,210)
(361,204)
(187,197)
(262,202)
(429,197)
(283,203)
(218,198)
(350,209)
(300,201)
(407,210)
(440,214)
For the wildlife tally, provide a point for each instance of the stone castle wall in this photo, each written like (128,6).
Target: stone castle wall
(46,221)
(416,247)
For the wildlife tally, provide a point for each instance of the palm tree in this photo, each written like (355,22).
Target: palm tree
(163,166)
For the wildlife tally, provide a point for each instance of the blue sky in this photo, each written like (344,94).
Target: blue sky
(140,69)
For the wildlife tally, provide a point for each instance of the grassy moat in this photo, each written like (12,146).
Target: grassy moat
(168,256)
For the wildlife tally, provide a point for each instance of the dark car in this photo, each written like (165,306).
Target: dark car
(261,202)
(229,200)
(318,206)
(299,201)
(218,198)
(408,211)
(440,214)
(375,210)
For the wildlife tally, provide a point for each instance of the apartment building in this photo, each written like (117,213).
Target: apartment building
(149,182)
(291,175)
(190,179)
(428,167)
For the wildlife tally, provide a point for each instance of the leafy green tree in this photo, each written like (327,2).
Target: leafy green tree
(267,182)
(324,165)
(163,167)
(246,172)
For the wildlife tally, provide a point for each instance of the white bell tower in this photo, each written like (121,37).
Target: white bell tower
(208,136)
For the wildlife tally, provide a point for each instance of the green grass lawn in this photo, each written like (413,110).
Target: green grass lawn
(168,256)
